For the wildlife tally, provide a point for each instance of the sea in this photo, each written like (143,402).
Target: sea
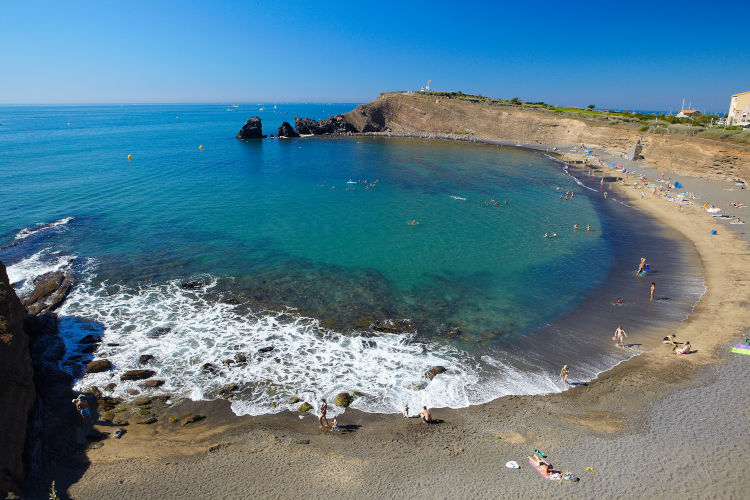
(351,264)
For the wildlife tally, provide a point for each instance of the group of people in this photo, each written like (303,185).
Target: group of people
(425,415)
(672,340)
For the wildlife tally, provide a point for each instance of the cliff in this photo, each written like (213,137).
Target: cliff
(440,116)
(17,393)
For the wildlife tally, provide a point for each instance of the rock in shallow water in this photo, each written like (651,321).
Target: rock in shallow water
(99,365)
(343,399)
(252,129)
(50,290)
(286,130)
(434,371)
(137,374)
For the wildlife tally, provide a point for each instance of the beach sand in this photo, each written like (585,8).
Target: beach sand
(657,425)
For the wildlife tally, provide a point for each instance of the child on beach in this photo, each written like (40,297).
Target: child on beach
(405,413)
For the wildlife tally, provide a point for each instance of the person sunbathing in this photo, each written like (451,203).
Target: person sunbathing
(685,348)
(544,467)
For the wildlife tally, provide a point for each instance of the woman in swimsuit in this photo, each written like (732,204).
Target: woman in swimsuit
(322,413)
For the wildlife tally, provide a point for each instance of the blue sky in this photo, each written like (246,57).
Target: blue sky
(636,55)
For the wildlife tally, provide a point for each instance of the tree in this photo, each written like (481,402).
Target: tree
(591,106)
(515,100)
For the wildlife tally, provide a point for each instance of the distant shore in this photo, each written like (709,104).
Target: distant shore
(464,454)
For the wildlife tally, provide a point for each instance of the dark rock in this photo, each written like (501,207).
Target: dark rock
(453,333)
(192,285)
(286,130)
(434,371)
(94,391)
(159,332)
(191,419)
(50,290)
(343,399)
(303,441)
(294,400)
(252,129)
(228,362)
(148,420)
(334,125)
(110,387)
(90,349)
(265,349)
(145,358)
(142,401)
(227,390)
(137,374)
(90,339)
(304,407)
(133,392)
(393,326)
(120,422)
(98,365)
(113,345)
(153,383)
(307,126)
(240,358)
(208,367)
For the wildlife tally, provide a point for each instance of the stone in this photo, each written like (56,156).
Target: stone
(252,129)
(192,285)
(159,332)
(107,416)
(153,383)
(208,367)
(137,374)
(263,350)
(133,392)
(145,400)
(434,371)
(228,362)
(304,407)
(343,399)
(144,411)
(120,422)
(393,326)
(455,332)
(240,358)
(90,349)
(227,390)
(145,358)
(293,400)
(307,126)
(148,420)
(172,419)
(286,130)
(98,366)
(334,125)
(110,387)
(50,289)
(90,339)
(191,419)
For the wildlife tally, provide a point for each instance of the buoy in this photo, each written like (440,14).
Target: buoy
(130,157)
(200,147)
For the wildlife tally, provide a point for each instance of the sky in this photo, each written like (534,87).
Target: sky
(617,55)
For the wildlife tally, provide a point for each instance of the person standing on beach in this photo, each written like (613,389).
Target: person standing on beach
(82,408)
(620,336)
(322,413)
(653,288)
(564,374)
(426,415)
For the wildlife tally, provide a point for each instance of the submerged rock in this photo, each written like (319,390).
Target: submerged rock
(393,326)
(304,407)
(227,390)
(265,349)
(148,420)
(343,399)
(191,419)
(137,374)
(145,358)
(98,365)
(159,332)
(286,130)
(50,290)
(434,371)
(153,383)
(192,285)
(240,358)
(252,129)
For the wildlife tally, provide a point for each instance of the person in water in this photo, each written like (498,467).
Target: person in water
(641,267)
(425,415)
(575,227)
(588,227)
(322,413)
(653,289)
(618,302)
(620,336)
(564,374)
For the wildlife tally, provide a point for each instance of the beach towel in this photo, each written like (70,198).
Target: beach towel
(552,476)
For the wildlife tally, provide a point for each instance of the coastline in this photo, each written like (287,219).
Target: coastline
(610,405)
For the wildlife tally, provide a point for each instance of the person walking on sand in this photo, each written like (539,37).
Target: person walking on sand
(564,374)
(425,415)
(653,289)
(620,336)
(405,413)
(322,413)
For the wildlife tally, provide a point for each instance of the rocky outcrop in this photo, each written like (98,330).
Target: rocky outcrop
(393,326)
(286,130)
(434,371)
(50,290)
(17,393)
(334,125)
(343,399)
(99,365)
(252,129)
(137,374)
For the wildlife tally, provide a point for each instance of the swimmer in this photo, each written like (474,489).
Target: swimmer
(572,194)
(653,289)
(605,195)
(546,235)
(575,227)
(588,227)
(413,222)
(554,235)
(618,302)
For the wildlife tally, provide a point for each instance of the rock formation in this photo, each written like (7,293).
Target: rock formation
(334,125)
(252,129)
(17,394)
(50,290)
(286,130)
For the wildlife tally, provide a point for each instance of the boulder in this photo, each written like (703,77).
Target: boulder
(252,129)
(98,365)
(50,290)
(159,332)
(334,125)
(227,390)
(434,371)
(263,350)
(455,332)
(148,420)
(228,362)
(343,399)
(90,349)
(208,367)
(110,387)
(120,422)
(192,285)
(137,374)
(293,400)
(393,326)
(142,401)
(304,407)
(145,358)
(240,358)
(191,419)
(307,126)
(286,130)
(153,383)
(90,339)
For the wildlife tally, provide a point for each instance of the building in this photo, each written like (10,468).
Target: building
(688,113)
(739,109)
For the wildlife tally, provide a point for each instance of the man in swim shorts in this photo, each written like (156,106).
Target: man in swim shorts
(620,336)
(425,415)
(82,408)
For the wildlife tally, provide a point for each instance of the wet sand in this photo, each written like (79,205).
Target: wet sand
(658,424)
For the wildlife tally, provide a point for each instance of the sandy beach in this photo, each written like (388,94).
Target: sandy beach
(657,425)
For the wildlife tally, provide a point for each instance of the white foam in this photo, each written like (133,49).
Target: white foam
(22,273)
(307,361)
(42,226)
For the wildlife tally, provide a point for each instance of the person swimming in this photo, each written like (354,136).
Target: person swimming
(413,222)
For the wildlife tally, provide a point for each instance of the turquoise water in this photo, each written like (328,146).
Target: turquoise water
(292,254)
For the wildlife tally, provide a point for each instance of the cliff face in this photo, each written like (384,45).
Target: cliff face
(17,393)
(420,114)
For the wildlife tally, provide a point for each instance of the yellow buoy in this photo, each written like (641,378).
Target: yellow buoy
(200,147)
(130,157)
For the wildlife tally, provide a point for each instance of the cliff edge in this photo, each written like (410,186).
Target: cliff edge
(17,394)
